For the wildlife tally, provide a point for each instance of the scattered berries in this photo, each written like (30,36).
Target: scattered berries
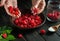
(28,21)
(42,31)
(4,35)
(20,36)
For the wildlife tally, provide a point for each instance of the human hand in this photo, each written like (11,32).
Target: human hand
(38,6)
(13,4)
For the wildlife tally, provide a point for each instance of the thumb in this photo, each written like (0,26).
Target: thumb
(2,2)
(15,3)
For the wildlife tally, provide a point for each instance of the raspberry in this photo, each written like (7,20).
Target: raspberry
(16,21)
(16,12)
(25,17)
(34,24)
(32,17)
(25,26)
(49,15)
(37,17)
(35,10)
(24,22)
(29,18)
(19,24)
(4,35)
(32,21)
(10,8)
(42,31)
(29,26)
(59,13)
(36,21)
(22,26)
(13,10)
(54,15)
(28,21)
(20,36)
(55,12)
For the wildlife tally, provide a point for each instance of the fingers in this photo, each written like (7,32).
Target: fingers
(6,5)
(43,4)
(14,3)
(39,7)
(35,8)
(37,3)
(9,3)
(34,2)
(2,2)
(6,8)
(12,14)
(15,6)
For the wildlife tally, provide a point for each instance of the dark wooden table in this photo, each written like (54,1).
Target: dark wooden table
(32,34)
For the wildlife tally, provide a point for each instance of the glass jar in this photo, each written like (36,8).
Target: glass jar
(53,10)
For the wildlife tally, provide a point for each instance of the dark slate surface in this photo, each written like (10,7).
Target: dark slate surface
(33,34)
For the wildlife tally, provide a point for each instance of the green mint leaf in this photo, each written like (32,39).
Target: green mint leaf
(1,37)
(9,28)
(4,40)
(0,28)
(10,37)
(8,31)
(1,32)
(5,28)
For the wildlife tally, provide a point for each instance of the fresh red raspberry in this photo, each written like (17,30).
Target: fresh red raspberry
(16,21)
(13,10)
(20,36)
(10,8)
(24,22)
(35,10)
(37,17)
(53,16)
(4,35)
(42,31)
(49,15)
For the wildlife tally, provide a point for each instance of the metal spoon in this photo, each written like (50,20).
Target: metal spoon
(53,28)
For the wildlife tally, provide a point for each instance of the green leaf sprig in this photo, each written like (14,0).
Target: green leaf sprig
(6,30)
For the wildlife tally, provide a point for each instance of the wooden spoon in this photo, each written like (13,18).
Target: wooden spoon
(54,28)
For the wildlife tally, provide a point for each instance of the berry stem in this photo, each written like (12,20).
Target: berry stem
(24,38)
